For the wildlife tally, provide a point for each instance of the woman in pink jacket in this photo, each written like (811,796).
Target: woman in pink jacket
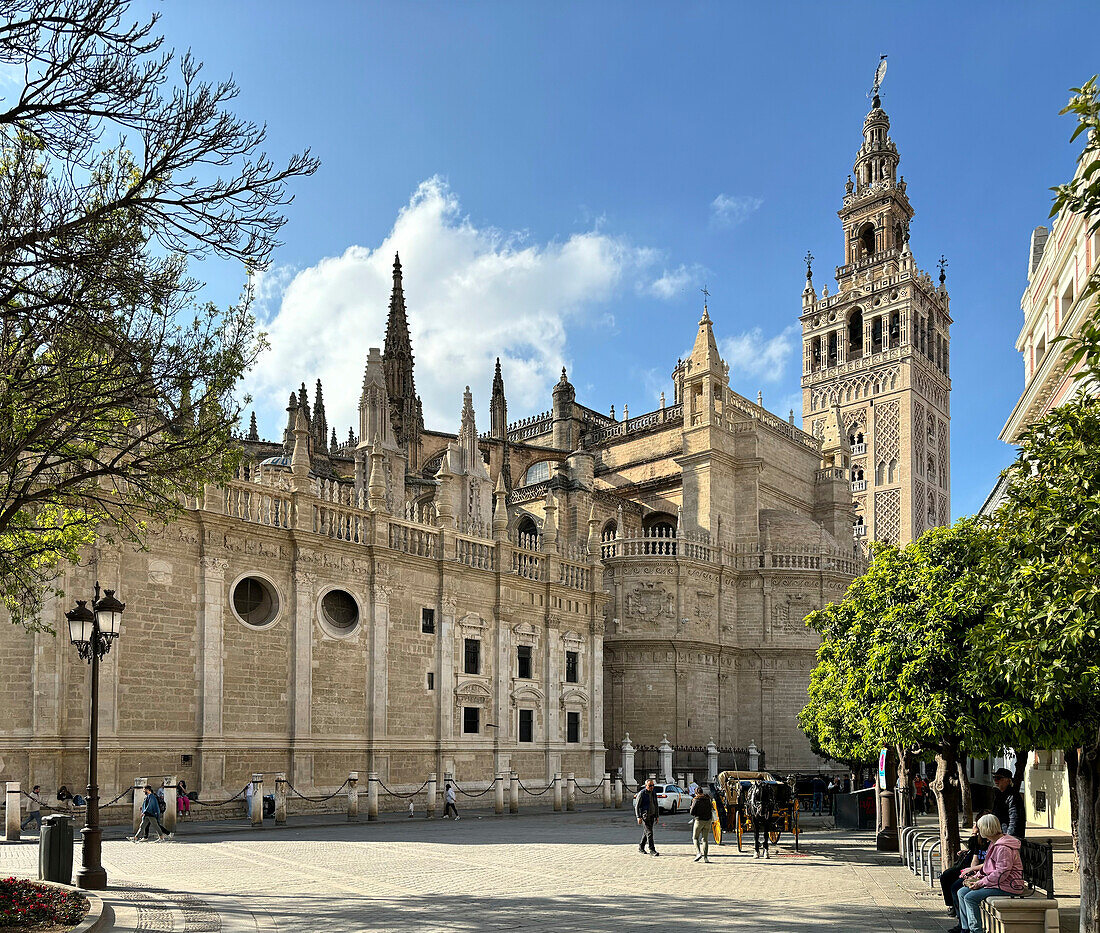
(1002,873)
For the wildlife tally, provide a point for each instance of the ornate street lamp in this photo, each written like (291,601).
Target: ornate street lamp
(92,631)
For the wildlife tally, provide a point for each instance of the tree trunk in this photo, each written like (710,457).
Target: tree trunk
(1019,768)
(1088,827)
(967,797)
(1072,759)
(946,786)
(905,786)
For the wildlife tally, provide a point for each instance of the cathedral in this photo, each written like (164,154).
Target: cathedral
(411,600)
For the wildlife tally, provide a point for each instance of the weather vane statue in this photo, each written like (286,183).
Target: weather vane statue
(880,74)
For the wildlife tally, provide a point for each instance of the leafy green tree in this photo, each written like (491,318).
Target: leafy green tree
(118,164)
(895,665)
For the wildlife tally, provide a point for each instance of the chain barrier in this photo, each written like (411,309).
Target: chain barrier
(222,803)
(318,799)
(467,794)
(394,793)
(527,790)
(588,792)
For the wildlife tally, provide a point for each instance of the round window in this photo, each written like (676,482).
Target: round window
(255,601)
(340,610)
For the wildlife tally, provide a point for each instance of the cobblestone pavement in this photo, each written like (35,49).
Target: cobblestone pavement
(550,872)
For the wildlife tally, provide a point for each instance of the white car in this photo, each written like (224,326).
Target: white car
(670,798)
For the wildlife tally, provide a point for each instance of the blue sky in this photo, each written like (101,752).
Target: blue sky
(562,179)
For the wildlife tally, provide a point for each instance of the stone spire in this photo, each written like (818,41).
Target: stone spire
(303,401)
(704,357)
(500,512)
(319,424)
(498,407)
(291,421)
(253,431)
(467,433)
(405,411)
(299,461)
(333,443)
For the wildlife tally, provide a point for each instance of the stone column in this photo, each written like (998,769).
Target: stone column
(380,661)
(570,791)
(498,793)
(139,798)
(353,796)
(607,790)
(280,798)
(257,814)
(618,793)
(712,761)
(754,757)
(664,756)
(430,808)
(372,795)
(171,789)
(301,688)
(212,764)
(449,606)
(513,801)
(557,791)
(13,814)
(628,762)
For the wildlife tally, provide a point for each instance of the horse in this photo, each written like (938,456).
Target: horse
(760,805)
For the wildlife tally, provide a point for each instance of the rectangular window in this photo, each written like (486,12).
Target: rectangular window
(572,727)
(472,656)
(527,725)
(471,719)
(431,680)
(523,658)
(427,621)
(571,667)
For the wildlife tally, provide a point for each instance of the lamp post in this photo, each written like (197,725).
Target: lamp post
(92,631)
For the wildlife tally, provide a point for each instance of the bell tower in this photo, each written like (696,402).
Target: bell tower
(878,349)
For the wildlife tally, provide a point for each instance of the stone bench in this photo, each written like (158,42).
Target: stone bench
(1019,915)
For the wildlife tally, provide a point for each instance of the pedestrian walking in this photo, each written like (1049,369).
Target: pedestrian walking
(150,816)
(648,813)
(818,785)
(703,811)
(449,802)
(920,794)
(34,809)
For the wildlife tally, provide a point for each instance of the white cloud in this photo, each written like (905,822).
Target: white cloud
(752,354)
(728,210)
(472,294)
(672,284)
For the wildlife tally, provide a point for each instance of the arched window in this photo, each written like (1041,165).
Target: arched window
(931,471)
(880,472)
(855,334)
(662,527)
(857,473)
(899,236)
(895,329)
(607,538)
(891,470)
(867,240)
(527,534)
(536,473)
(876,335)
(815,353)
(832,348)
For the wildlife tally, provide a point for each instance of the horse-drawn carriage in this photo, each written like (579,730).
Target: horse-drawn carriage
(754,801)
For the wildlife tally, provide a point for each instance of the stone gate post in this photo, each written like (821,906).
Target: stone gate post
(754,757)
(353,795)
(257,814)
(664,756)
(280,798)
(171,789)
(12,821)
(712,761)
(628,762)
(430,809)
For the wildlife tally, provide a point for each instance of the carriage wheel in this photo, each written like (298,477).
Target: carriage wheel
(740,831)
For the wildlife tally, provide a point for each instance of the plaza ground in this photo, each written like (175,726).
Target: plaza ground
(540,872)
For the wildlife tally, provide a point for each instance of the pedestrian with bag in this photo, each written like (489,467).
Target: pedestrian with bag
(449,802)
(34,809)
(703,812)
(648,812)
(150,816)
(1002,872)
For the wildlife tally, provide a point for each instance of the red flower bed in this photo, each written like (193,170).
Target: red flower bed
(25,905)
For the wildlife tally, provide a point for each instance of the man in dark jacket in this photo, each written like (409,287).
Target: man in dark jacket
(1008,804)
(648,813)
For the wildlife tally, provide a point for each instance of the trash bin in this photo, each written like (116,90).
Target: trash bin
(55,849)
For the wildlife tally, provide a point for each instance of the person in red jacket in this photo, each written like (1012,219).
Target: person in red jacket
(1002,872)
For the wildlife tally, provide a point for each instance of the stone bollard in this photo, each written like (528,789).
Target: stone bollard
(498,794)
(280,798)
(372,795)
(618,793)
(557,791)
(171,790)
(139,799)
(353,796)
(13,814)
(429,810)
(513,802)
(257,814)
(607,790)
(628,762)
(712,762)
(570,791)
